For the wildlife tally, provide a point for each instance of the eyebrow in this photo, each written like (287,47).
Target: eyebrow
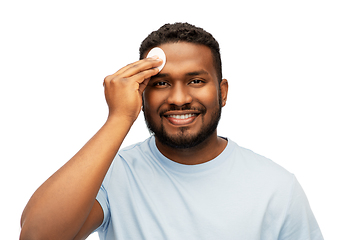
(160,75)
(195,73)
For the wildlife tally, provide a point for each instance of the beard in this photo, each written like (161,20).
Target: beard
(182,139)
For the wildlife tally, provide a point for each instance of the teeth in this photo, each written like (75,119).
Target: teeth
(184,116)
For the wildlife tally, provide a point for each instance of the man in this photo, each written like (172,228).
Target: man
(184,182)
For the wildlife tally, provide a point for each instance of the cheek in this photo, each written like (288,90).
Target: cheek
(152,100)
(207,96)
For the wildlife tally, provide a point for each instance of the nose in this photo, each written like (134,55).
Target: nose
(179,95)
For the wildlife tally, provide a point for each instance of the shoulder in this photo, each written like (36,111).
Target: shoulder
(136,157)
(137,154)
(128,158)
(137,148)
(260,167)
(134,152)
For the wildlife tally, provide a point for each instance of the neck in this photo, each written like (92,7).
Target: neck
(204,152)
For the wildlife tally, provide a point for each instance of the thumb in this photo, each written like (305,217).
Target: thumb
(143,85)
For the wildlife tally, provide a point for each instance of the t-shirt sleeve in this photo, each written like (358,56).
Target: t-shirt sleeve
(103,200)
(299,221)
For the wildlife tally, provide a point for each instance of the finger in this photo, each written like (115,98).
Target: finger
(138,78)
(143,85)
(142,66)
(144,75)
(139,66)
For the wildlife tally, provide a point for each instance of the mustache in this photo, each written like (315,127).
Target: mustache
(201,109)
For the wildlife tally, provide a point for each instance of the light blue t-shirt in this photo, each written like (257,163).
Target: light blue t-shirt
(237,195)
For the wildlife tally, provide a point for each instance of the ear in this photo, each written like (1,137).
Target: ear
(224,91)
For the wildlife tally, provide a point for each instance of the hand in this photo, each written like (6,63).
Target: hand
(123,89)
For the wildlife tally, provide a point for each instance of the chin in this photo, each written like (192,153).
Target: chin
(183,139)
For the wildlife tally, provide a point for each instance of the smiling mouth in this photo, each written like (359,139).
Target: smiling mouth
(181,119)
(182,116)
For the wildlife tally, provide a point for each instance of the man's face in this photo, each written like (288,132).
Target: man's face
(182,104)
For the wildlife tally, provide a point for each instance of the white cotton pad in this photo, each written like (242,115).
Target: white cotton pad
(160,53)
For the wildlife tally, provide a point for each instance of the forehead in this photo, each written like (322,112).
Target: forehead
(184,57)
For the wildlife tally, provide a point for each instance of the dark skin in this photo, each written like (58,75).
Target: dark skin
(65,206)
(188,78)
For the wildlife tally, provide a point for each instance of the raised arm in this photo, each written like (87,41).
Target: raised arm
(64,206)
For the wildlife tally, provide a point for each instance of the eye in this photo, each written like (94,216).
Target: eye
(160,84)
(197,81)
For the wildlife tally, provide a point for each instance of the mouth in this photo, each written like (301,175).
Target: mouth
(181,118)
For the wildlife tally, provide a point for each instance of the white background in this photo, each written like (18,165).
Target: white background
(293,69)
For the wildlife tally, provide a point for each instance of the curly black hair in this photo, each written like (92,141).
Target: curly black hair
(183,32)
